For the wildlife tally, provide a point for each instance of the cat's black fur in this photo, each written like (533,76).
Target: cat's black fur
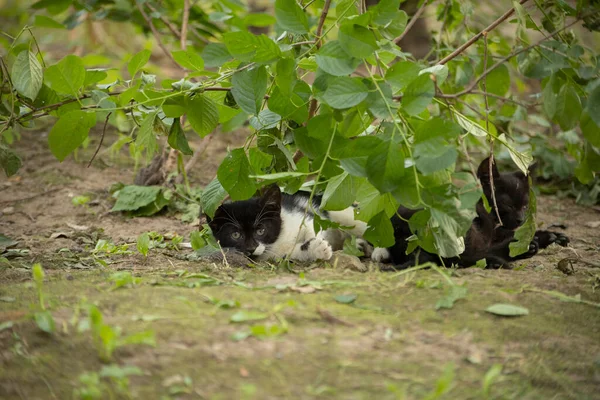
(244,225)
(486,239)
(256,219)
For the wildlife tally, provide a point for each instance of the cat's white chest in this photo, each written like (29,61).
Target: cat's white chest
(295,228)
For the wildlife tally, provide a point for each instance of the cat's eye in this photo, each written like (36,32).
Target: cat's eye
(236,235)
(261,231)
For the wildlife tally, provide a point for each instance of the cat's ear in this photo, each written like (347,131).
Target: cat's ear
(484,172)
(271,196)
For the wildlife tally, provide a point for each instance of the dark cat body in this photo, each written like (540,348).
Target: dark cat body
(486,238)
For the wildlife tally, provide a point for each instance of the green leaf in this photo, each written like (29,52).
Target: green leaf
(496,370)
(27,74)
(385,166)
(234,174)
(197,240)
(380,232)
(402,73)
(243,316)
(291,17)
(66,76)
(177,139)
(507,310)
(590,129)
(497,81)
(593,105)
(568,107)
(346,298)
(280,175)
(356,40)
(69,132)
(332,59)
(339,193)
(189,59)
(418,95)
(285,76)
(453,294)
(266,119)
(202,113)
(9,161)
(432,149)
(471,127)
(146,137)
(143,244)
(251,48)
(93,76)
(138,61)
(345,92)
(53,6)
(212,196)
(385,12)
(133,197)
(45,321)
(38,275)
(550,95)
(42,21)
(215,55)
(249,89)
(526,232)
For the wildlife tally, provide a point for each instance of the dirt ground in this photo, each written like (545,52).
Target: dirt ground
(325,332)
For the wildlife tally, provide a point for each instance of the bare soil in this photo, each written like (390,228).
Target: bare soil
(391,342)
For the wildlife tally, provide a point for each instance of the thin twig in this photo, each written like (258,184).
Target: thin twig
(101,139)
(201,149)
(51,107)
(322,22)
(156,34)
(184,23)
(478,36)
(412,22)
(487,128)
(165,21)
(496,96)
(469,88)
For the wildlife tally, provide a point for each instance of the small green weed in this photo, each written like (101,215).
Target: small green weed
(107,338)
(43,318)
(110,379)
(262,331)
(123,279)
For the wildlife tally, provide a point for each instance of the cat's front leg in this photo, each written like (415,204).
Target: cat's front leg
(381,254)
(315,248)
(546,238)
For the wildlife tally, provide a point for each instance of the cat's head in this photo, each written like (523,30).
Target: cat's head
(249,225)
(512,193)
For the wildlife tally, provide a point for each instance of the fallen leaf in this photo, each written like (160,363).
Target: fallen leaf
(303,289)
(593,224)
(57,235)
(346,298)
(507,310)
(242,316)
(78,227)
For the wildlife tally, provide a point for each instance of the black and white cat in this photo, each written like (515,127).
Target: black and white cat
(486,238)
(276,225)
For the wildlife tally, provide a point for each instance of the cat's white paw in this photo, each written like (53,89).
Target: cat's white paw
(364,246)
(320,249)
(380,254)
